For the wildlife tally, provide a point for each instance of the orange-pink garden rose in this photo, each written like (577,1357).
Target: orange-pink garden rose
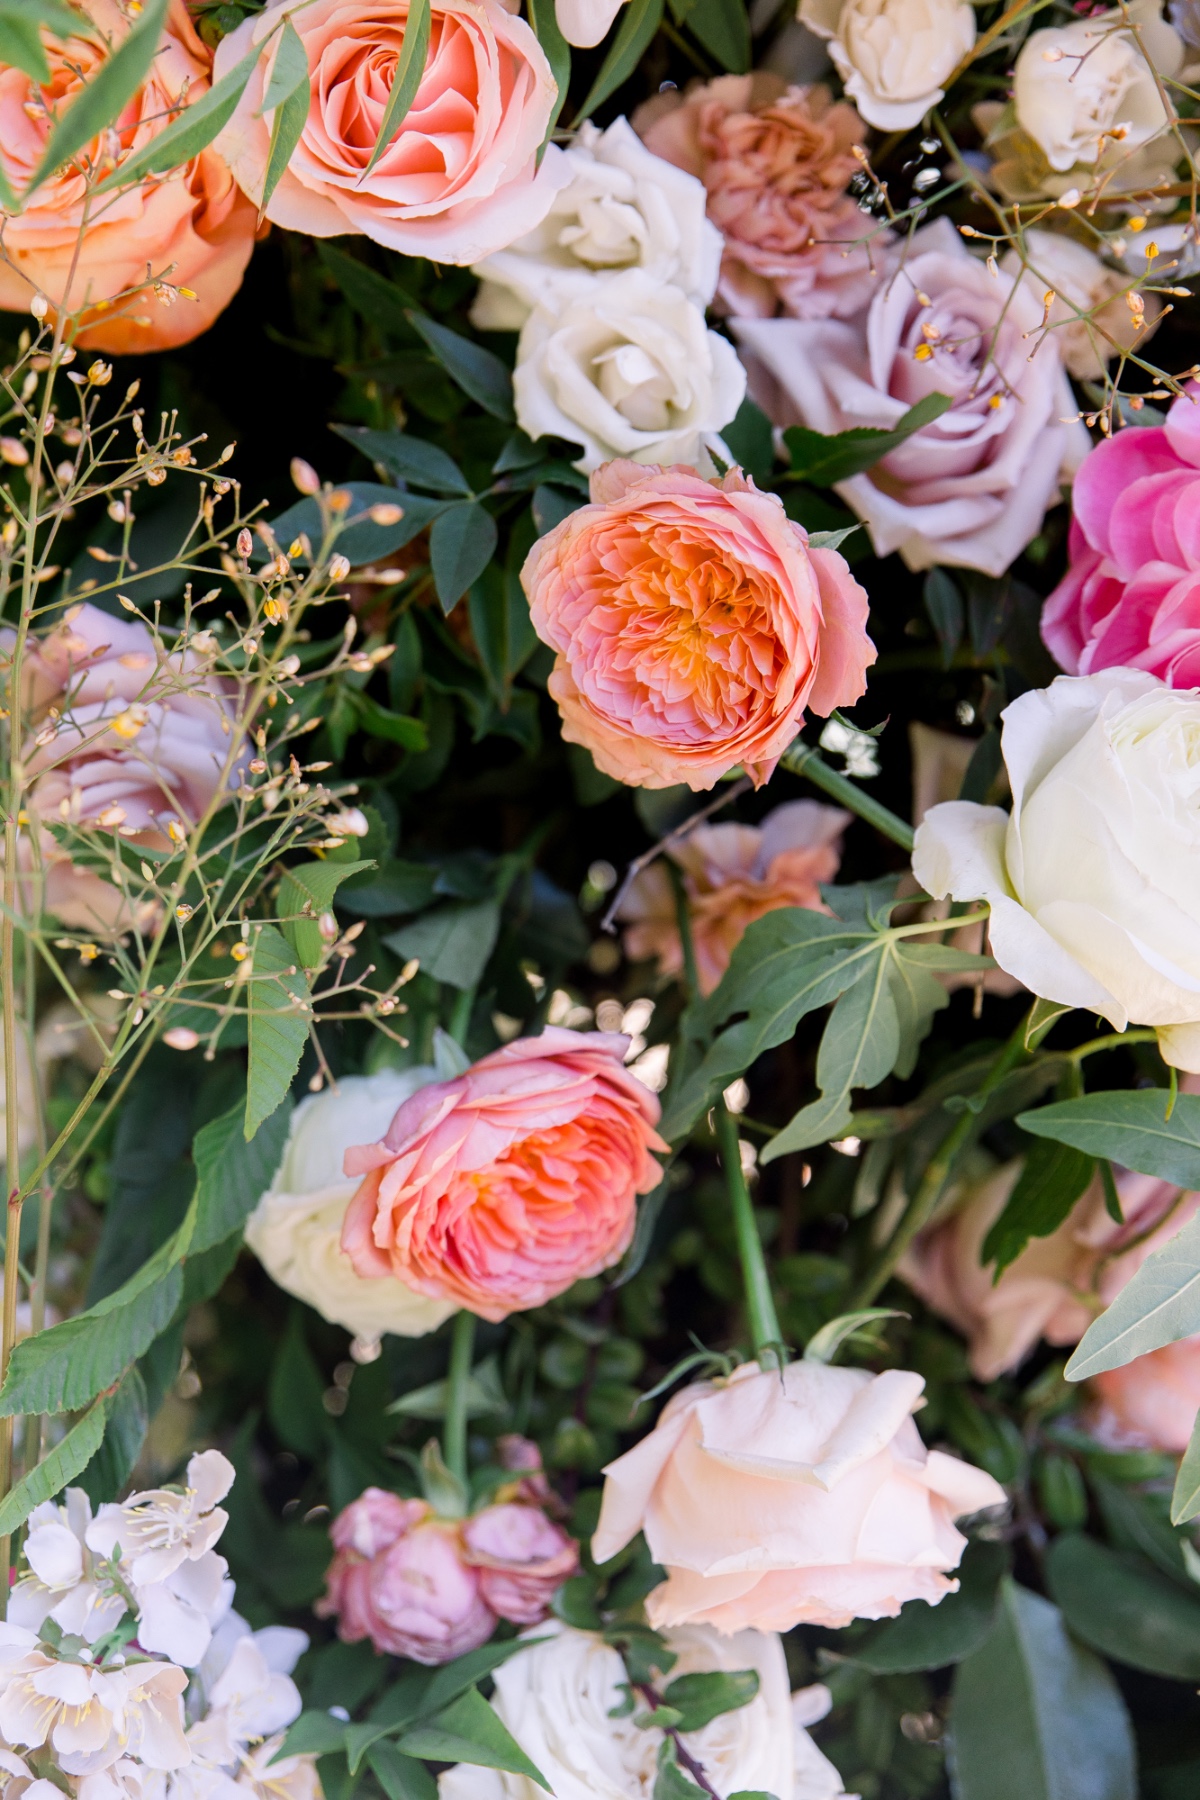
(502,1187)
(692,624)
(191,227)
(732,875)
(459,181)
(774,1499)
(1152,1401)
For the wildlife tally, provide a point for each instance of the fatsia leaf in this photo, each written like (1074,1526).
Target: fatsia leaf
(406,77)
(1122,1607)
(306,891)
(1034,1714)
(1128,1128)
(280,1012)
(1159,1305)
(69,1457)
(190,133)
(102,97)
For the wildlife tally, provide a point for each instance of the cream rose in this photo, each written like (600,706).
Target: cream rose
(557,1698)
(629,369)
(893,55)
(585,22)
(1081,283)
(296,1228)
(774,1499)
(1092,878)
(1086,88)
(623,208)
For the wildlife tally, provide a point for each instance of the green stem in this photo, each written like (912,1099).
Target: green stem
(462,1350)
(938,1171)
(683,918)
(460,1016)
(760,1305)
(801,760)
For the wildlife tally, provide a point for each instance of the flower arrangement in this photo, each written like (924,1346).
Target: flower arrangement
(599,970)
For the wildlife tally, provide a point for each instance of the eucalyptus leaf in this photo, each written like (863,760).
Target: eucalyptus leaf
(186,136)
(1185,1500)
(406,77)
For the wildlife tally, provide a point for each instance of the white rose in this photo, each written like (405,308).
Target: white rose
(623,208)
(628,369)
(584,22)
(1084,87)
(296,1229)
(557,1699)
(1081,283)
(1092,879)
(893,55)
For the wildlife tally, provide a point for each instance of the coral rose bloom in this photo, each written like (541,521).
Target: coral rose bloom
(774,1499)
(192,226)
(501,1188)
(692,625)
(1151,1402)
(459,181)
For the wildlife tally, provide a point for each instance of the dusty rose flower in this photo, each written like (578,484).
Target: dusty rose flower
(141,746)
(692,625)
(1131,595)
(774,1499)
(775,161)
(732,875)
(461,178)
(522,1558)
(503,1187)
(1150,1403)
(971,488)
(192,226)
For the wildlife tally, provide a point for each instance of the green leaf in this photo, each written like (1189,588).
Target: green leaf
(723,27)
(478,372)
(750,440)
(544,20)
(1047,1188)
(703,1696)
(372,295)
(1043,1014)
(401,1777)
(453,942)
(233,1172)
(287,128)
(671,1783)
(313,1733)
(823,460)
(501,626)
(189,134)
(289,68)
(1185,1500)
(69,1457)
(1133,1521)
(280,1011)
(1128,1128)
(294,1390)
(406,77)
(306,891)
(455,1678)
(824,1345)
(944,604)
(485,1397)
(101,98)
(363,541)
(931,1637)
(400,887)
(21,23)
(1159,1305)
(408,458)
(1122,1607)
(640,21)
(461,546)
(124,1434)
(1035,1715)
(396,728)
(62,1369)
(469,1731)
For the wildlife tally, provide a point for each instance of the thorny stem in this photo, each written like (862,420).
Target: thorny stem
(462,1350)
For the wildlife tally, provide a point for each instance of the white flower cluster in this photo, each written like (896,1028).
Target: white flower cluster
(608,293)
(124,1672)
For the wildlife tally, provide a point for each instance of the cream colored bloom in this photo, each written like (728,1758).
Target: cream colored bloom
(629,369)
(623,208)
(296,1228)
(557,1699)
(159,1530)
(1085,92)
(893,55)
(90,1717)
(62,1581)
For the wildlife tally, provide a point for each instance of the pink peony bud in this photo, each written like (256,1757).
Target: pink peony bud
(522,1557)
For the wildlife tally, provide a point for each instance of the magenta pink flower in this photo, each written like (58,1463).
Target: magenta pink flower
(1131,596)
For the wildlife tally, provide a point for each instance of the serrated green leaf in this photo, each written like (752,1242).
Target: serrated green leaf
(306,891)
(640,20)
(232,1173)
(1122,1607)
(125,1428)
(461,545)
(823,461)
(406,77)
(189,134)
(452,943)
(102,97)
(478,372)
(1053,1178)
(469,1731)
(1035,1715)
(69,1457)
(280,1012)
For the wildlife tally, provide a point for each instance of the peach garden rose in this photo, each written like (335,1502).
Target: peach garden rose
(459,181)
(692,624)
(192,226)
(501,1188)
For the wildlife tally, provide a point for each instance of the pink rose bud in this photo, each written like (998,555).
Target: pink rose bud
(522,1558)
(399,1579)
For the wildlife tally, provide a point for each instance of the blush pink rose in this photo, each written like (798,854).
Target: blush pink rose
(1131,595)
(141,746)
(503,1187)
(692,625)
(775,162)
(522,1558)
(971,488)
(1150,1403)
(774,1499)
(192,226)
(459,181)
(732,875)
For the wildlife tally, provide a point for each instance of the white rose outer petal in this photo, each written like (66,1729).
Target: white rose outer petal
(893,55)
